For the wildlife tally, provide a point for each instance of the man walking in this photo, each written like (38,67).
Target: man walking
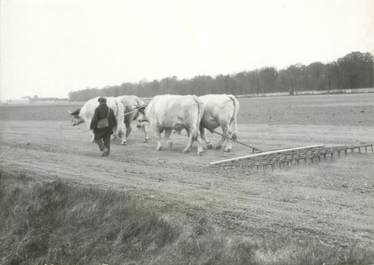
(102,125)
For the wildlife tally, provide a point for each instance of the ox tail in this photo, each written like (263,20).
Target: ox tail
(200,112)
(233,120)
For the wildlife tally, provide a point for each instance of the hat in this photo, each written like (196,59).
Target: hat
(102,100)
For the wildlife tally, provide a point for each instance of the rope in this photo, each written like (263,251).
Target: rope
(136,109)
(254,149)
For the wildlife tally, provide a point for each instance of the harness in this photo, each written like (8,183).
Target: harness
(137,109)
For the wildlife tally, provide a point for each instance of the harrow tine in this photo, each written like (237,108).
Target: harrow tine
(286,158)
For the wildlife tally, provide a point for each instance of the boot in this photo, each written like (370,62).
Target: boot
(105,152)
(100,144)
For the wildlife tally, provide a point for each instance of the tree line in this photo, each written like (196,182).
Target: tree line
(354,70)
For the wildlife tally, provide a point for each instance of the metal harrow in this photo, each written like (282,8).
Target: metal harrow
(285,158)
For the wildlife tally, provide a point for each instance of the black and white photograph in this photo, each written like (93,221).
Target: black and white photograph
(186,132)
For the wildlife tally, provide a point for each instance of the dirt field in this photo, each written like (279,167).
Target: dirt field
(332,201)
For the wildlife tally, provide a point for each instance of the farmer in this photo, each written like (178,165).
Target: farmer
(102,125)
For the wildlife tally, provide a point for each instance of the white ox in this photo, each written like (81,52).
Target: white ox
(86,113)
(175,112)
(133,106)
(220,110)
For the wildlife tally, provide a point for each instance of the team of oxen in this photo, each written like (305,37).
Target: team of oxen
(165,114)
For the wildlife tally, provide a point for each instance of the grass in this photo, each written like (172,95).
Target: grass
(63,223)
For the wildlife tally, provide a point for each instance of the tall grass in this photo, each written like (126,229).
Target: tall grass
(61,223)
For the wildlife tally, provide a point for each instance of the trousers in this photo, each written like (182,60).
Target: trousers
(102,138)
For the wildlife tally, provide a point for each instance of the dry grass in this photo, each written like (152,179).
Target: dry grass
(61,223)
(58,223)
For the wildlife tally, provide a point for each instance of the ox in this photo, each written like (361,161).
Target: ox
(174,112)
(220,111)
(86,112)
(133,106)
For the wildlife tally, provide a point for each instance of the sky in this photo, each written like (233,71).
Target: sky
(51,47)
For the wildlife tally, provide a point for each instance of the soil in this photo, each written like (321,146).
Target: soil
(332,200)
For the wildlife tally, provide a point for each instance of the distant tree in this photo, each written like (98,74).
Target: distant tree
(242,83)
(315,76)
(357,70)
(267,79)
(333,76)
(354,70)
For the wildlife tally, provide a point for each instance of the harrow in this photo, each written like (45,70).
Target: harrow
(285,158)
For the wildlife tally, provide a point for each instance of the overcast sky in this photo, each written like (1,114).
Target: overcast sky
(51,47)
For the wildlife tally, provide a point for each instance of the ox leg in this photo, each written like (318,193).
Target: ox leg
(92,138)
(121,135)
(128,131)
(167,138)
(228,146)
(225,141)
(200,148)
(220,142)
(190,141)
(205,139)
(159,139)
(228,143)
(115,135)
(194,136)
(146,137)
(234,130)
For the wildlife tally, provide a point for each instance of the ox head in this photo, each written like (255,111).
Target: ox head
(75,118)
(141,119)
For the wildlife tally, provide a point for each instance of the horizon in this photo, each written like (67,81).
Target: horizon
(64,46)
(178,78)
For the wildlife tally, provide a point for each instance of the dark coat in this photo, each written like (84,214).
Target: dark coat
(101,112)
